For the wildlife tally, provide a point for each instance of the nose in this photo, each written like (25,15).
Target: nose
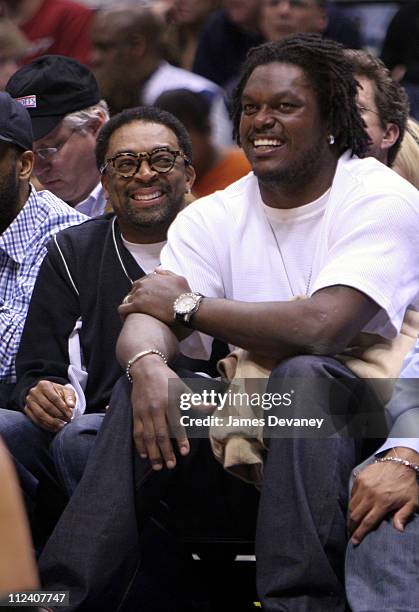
(263,118)
(283,7)
(145,173)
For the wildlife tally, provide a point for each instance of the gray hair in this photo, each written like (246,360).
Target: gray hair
(79,120)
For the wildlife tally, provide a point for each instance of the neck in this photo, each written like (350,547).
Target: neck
(144,237)
(295,191)
(89,188)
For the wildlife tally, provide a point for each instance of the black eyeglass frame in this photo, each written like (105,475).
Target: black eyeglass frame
(140,157)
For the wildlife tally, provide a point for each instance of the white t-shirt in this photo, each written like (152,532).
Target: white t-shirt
(296,231)
(367,239)
(147,256)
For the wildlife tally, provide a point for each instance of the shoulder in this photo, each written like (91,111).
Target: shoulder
(371,181)
(89,234)
(222,209)
(51,213)
(173,76)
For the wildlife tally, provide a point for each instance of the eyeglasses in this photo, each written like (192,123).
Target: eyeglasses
(364,109)
(160,160)
(48,153)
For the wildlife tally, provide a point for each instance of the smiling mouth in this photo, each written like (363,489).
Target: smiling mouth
(267,142)
(147,197)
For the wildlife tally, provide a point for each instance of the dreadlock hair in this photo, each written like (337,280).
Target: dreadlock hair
(331,76)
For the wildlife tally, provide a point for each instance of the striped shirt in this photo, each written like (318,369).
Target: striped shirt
(22,249)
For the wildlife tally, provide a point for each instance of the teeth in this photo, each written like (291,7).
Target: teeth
(147,196)
(266,142)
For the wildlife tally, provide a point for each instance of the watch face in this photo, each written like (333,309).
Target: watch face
(185,304)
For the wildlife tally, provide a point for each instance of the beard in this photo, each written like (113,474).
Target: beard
(9,199)
(159,217)
(300,171)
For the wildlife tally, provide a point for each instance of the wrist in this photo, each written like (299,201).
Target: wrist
(404,453)
(143,362)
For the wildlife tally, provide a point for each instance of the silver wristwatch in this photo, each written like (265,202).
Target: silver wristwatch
(185,306)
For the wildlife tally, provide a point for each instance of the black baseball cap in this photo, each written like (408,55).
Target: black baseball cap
(15,123)
(50,87)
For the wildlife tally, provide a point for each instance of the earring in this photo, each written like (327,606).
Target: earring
(331,139)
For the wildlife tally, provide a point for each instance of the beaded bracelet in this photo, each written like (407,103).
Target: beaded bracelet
(409,464)
(139,356)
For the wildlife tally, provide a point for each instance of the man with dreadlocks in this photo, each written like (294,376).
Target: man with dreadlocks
(312,220)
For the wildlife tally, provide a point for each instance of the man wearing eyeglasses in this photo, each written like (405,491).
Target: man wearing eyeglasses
(67,113)
(66,364)
(383,105)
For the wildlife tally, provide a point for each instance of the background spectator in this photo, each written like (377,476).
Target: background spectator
(215,168)
(382,103)
(185,21)
(13,48)
(59,27)
(225,41)
(280,18)
(406,163)
(128,61)
(63,100)
(401,51)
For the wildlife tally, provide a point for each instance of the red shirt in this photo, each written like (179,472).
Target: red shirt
(60,27)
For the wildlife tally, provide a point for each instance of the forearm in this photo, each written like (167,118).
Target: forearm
(142,332)
(281,329)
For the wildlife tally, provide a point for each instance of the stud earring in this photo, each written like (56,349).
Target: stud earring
(331,139)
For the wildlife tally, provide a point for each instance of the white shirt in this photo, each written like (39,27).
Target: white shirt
(95,203)
(147,256)
(168,77)
(367,239)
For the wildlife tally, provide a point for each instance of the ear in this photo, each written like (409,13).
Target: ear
(322,20)
(390,137)
(25,165)
(189,177)
(105,184)
(94,126)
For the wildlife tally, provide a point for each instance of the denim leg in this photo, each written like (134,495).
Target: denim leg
(301,533)
(71,448)
(382,572)
(94,550)
(29,446)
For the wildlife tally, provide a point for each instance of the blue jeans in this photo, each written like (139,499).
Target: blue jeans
(382,572)
(301,531)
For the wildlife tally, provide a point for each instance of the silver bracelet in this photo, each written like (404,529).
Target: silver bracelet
(139,356)
(409,464)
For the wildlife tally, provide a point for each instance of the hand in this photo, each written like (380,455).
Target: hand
(50,405)
(152,416)
(379,489)
(154,295)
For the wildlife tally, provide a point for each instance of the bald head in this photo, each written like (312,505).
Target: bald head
(126,50)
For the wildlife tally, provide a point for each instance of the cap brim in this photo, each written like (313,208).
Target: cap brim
(41,126)
(25,146)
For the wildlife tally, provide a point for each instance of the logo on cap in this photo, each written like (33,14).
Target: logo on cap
(27,101)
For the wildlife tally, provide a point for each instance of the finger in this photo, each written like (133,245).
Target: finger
(356,513)
(46,406)
(402,516)
(152,448)
(162,436)
(69,397)
(55,396)
(139,439)
(43,420)
(369,522)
